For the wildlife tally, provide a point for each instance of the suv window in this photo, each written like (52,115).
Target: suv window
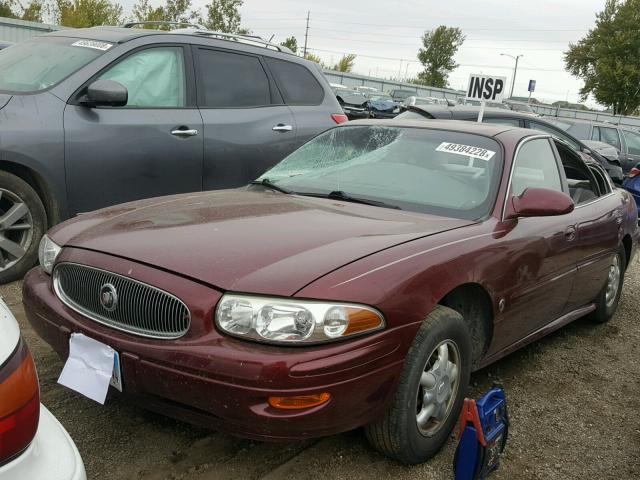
(633,142)
(545,128)
(298,85)
(606,135)
(535,166)
(502,121)
(232,80)
(154,77)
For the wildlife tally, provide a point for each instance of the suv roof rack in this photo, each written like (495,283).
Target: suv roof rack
(160,23)
(234,37)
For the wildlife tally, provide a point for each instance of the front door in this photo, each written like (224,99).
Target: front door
(539,274)
(247,127)
(150,147)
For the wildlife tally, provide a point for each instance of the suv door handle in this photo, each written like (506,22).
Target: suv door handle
(281,127)
(570,233)
(184,132)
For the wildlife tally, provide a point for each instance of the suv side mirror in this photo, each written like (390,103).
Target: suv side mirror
(539,202)
(105,93)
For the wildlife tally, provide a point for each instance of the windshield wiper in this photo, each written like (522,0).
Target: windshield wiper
(340,195)
(265,182)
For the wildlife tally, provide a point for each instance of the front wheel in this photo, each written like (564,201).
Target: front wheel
(23,221)
(430,393)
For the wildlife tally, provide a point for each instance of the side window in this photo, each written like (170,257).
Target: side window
(601,179)
(298,85)
(229,80)
(502,121)
(584,183)
(536,167)
(633,142)
(555,133)
(595,134)
(154,77)
(610,136)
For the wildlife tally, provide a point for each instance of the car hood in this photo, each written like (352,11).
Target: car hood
(4,99)
(383,105)
(352,98)
(604,149)
(247,240)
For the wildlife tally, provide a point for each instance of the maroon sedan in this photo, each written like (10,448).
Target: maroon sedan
(357,283)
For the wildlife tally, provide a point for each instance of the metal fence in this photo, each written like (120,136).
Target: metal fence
(354,80)
(12,30)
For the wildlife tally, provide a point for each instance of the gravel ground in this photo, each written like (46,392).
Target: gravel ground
(574,399)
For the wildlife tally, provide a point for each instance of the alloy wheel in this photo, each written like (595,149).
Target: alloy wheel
(16,228)
(613,281)
(438,388)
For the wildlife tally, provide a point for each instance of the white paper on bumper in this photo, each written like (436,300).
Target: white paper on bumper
(89,367)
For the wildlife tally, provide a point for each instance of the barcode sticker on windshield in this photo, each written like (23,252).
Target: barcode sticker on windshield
(92,44)
(466,150)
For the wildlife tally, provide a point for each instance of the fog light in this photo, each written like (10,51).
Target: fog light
(299,402)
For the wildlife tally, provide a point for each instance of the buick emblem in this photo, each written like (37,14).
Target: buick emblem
(108,297)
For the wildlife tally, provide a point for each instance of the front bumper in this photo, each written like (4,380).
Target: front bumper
(224,383)
(51,455)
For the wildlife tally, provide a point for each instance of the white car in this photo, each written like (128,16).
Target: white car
(33,444)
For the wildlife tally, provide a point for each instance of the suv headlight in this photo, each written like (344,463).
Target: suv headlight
(280,320)
(47,253)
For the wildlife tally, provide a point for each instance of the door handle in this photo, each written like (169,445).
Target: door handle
(570,233)
(184,132)
(281,127)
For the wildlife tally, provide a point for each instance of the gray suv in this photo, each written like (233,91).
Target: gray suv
(99,116)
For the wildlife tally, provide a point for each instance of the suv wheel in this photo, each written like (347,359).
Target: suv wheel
(23,221)
(430,393)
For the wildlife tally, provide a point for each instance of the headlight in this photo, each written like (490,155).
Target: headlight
(279,320)
(47,253)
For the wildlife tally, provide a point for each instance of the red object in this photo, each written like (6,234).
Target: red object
(532,275)
(634,172)
(539,202)
(19,403)
(339,118)
(470,415)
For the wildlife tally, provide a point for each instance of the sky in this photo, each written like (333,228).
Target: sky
(385,35)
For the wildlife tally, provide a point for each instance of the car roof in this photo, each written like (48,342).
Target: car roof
(106,34)
(466,111)
(485,129)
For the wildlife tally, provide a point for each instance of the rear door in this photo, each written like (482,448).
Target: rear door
(305,96)
(247,127)
(150,147)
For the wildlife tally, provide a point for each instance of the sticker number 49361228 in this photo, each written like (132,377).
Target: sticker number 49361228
(466,150)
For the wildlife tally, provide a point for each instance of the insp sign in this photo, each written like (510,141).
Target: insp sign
(486,88)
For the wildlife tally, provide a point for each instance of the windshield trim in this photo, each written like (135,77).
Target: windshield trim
(47,39)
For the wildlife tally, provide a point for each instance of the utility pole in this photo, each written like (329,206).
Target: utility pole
(306,35)
(515,70)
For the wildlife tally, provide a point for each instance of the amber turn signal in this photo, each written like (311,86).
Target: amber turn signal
(362,320)
(299,402)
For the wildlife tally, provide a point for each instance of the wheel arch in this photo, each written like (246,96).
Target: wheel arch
(473,302)
(627,243)
(38,183)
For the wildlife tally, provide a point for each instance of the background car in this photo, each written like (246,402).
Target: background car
(476,103)
(413,100)
(5,44)
(520,107)
(353,103)
(625,140)
(33,444)
(429,249)
(632,184)
(516,119)
(122,113)
(399,94)
(367,90)
(381,105)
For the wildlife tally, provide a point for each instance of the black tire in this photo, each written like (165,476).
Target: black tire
(14,190)
(397,435)
(604,311)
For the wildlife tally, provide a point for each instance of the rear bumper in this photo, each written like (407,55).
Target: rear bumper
(51,455)
(224,383)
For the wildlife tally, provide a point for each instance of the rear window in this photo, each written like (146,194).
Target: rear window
(232,80)
(38,64)
(297,84)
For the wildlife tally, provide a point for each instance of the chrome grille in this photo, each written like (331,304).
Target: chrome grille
(138,308)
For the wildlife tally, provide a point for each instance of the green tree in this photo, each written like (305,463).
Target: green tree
(223,16)
(87,13)
(439,48)
(14,9)
(33,11)
(291,43)
(172,11)
(143,11)
(315,58)
(346,63)
(607,59)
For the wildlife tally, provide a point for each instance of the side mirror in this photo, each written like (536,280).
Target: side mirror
(539,202)
(105,93)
